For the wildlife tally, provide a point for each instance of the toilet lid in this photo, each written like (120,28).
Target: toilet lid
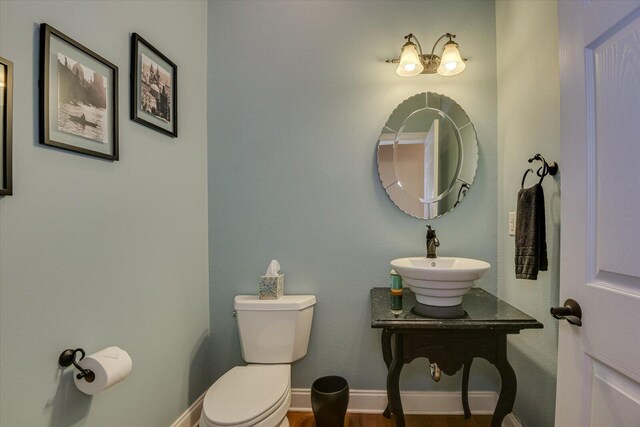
(246,394)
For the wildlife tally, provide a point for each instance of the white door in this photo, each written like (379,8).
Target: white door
(599,363)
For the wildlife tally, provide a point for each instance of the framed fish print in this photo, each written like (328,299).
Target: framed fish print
(6,121)
(78,97)
(154,91)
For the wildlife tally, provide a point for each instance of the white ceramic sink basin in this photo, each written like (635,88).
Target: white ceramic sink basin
(442,281)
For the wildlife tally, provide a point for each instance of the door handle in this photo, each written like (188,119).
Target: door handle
(571,312)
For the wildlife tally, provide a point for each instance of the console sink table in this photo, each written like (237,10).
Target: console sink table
(450,343)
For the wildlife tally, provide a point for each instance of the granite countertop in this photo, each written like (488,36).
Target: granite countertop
(482,311)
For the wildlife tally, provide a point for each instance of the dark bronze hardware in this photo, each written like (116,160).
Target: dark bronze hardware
(571,312)
(544,170)
(68,358)
(432,242)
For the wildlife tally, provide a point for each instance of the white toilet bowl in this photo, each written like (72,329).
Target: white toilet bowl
(273,334)
(249,396)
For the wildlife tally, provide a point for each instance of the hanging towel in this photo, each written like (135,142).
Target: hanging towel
(531,234)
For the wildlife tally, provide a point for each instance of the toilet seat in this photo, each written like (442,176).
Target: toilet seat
(251,395)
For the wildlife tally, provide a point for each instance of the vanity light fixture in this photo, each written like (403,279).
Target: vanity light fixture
(413,62)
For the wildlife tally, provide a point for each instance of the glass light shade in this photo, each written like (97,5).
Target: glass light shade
(410,63)
(451,62)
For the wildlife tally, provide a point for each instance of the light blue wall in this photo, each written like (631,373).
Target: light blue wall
(298,94)
(95,253)
(528,123)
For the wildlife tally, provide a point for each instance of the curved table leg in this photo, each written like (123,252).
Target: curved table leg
(509,384)
(387,356)
(465,388)
(393,382)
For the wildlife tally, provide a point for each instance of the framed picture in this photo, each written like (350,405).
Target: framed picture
(154,88)
(6,120)
(78,97)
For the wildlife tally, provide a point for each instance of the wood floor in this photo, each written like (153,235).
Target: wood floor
(305,419)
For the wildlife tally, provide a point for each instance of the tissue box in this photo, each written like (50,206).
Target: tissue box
(271,287)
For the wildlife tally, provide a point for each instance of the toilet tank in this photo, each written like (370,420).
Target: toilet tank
(274,331)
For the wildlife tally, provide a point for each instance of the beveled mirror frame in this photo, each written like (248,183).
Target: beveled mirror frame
(466,142)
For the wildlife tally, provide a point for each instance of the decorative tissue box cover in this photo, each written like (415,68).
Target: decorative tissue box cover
(271,287)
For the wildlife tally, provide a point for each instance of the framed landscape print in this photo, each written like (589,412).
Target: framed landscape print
(154,91)
(78,97)
(6,120)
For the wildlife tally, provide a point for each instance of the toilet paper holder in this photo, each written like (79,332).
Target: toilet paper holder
(68,358)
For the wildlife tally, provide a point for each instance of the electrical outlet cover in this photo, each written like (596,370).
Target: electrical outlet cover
(512,223)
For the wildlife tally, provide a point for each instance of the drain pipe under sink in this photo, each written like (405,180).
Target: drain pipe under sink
(436,373)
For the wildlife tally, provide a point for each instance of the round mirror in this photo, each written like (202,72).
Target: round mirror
(427,155)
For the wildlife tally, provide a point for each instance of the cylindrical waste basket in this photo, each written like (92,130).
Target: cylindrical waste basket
(329,401)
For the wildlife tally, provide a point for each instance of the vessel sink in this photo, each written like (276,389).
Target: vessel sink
(442,281)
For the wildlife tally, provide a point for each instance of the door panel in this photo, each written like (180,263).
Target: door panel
(611,327)
(613,398)
(614,65)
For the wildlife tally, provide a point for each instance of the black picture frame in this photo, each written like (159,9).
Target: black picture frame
(77,92)
(145,97)
(6,134)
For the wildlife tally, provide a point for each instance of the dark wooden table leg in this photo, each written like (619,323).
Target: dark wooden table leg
(509,384)
(387,356)
(465,388)
(393,381)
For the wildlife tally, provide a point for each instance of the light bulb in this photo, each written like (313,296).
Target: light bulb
(409,67)
(451,62)
(410,62)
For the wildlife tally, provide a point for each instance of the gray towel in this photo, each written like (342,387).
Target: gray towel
(531,240)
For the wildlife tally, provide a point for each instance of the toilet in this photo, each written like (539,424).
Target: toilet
(273,334)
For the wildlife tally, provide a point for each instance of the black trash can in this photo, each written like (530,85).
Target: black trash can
(329,401)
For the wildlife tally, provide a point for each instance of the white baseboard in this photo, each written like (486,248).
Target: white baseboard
(413,402)
(511,421)
(375,401)
(190,417)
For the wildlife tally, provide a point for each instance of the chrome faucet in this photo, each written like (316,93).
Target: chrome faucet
(432,242)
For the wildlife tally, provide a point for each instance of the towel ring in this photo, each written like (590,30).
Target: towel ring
(544,170)
(547,168)
(541,175)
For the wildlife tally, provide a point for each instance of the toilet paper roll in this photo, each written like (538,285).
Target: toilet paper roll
(110,366)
